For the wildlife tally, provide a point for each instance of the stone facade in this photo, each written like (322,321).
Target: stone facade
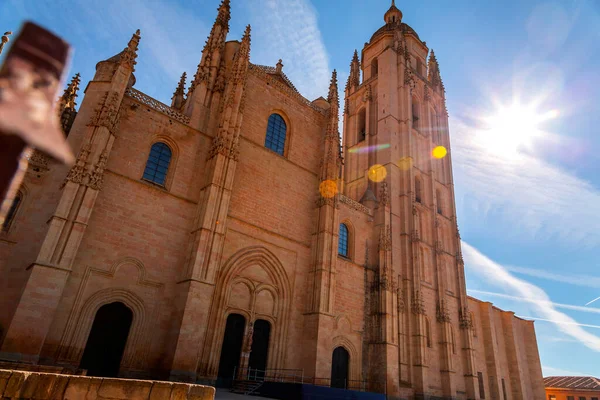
(238,229)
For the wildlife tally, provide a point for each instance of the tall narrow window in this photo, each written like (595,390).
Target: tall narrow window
(362,125)
(438,199)
(374,67)
(12,212)
(158,164)
(343,241)
(452,341)
(428,332)
(415,113)
(481,388)
(276,132)
(504,390)
(418,193)
(419,67)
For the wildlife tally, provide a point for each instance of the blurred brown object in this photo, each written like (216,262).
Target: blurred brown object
(29,81)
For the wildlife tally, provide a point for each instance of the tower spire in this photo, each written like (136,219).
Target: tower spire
(354,77)
(332,158)
(177,99)
(433,71)
(393,15)
(67,100)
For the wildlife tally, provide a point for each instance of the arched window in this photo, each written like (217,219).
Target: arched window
(12,212)
(418,191)
(362,125)
(276,131)
(428,332)
(343,241)
(438,199)
(416,113)
(158,164)
(374,67)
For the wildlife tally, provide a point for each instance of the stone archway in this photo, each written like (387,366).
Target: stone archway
(340,368)
(252,283)
(231,349)
(107,339)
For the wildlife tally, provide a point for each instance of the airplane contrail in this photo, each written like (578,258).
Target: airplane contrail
(597,298)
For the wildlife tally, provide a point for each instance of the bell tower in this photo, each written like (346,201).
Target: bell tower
(395,121)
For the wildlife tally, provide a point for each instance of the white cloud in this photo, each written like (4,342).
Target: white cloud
(573,279)
(530,195)
(291,33)
(538,301)
(543,307)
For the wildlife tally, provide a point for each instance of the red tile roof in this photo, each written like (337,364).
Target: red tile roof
(572,382)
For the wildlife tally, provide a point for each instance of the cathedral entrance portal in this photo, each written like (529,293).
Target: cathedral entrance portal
(260,348)
(231,349)
(339,368)
(106,342)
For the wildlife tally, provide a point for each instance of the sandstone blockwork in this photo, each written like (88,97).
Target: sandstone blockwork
(232,231)
(45,386)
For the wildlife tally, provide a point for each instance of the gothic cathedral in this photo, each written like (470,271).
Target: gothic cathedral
(232,231)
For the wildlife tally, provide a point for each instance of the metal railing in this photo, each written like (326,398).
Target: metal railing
(297,376)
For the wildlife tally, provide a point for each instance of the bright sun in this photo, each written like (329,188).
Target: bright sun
(513,128)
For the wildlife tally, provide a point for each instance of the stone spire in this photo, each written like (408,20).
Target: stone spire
(66,104)
(67,100)
(393,15)
(214,42)
(242,58)
(332,158)
(354,77)
(178,97)
(129,54)
(433,71)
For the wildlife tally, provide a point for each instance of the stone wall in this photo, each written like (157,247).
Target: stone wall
(45,386)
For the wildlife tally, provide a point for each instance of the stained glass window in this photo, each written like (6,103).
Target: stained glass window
(158,164)
(343,241)
(276,130)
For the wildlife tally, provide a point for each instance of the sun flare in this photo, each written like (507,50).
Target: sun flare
(513,128)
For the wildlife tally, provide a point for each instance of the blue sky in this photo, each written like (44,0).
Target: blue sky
(529,216)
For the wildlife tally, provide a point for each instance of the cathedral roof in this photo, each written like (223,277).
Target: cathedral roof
(391,27)
(280,76)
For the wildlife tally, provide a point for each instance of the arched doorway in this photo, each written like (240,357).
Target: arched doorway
(106,342)
(260,347)
(231,348)
(339,368)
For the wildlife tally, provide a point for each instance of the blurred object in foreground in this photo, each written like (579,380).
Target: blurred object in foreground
(29,80)
(4,39)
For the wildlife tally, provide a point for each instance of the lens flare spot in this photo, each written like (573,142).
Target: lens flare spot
(377,173)
(439,152)
(405,163)
(328,188)
(367,149)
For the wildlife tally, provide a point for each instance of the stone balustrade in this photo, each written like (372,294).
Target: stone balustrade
(46,386)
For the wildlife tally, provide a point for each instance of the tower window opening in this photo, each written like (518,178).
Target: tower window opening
(428,332)
(362,125)
(418,193)
(374,67)
(438,197)
(415,113)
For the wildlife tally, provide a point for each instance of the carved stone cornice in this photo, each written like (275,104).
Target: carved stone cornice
(355,205)
(385,238)
(417,304)
(442,314)
(97,176)
(77,171)
(466,322)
